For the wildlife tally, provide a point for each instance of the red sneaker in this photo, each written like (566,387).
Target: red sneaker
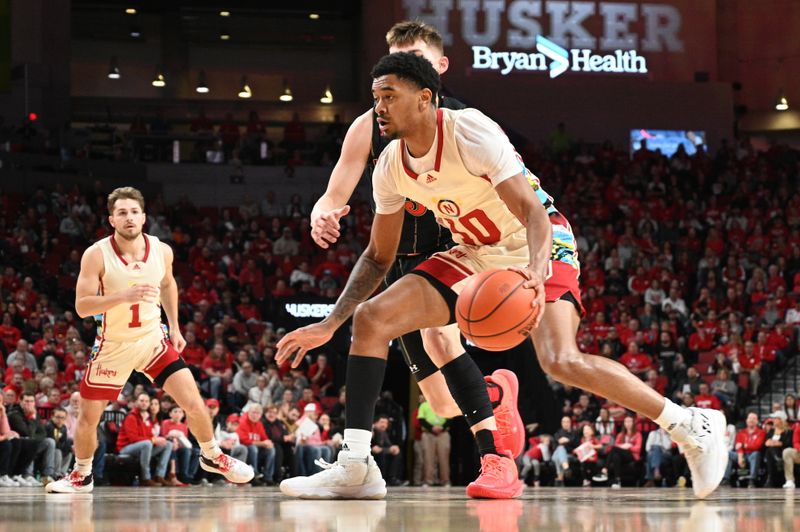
(498,479)
(503,388)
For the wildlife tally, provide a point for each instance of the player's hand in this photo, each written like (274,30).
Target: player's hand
(178,342)
(298,342)
(325,226)
(535,281)
(141,293)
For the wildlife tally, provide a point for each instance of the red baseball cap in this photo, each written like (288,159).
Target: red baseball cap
(233,418)
(212,403)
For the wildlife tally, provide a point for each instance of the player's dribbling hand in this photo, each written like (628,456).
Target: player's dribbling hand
(535,281)
(141,292)
(297,343)
(177,340)
(325,226)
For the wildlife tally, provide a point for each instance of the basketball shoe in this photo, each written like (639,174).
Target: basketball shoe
(232,469)
(702,436)
(350,477)
(503,388)
(498,479)
(72,483)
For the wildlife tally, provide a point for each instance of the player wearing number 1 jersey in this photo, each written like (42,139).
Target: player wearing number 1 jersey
(124,281)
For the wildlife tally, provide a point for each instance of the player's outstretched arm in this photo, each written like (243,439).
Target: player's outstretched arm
(517,195)
(367,275)
(88,299)
(331,206)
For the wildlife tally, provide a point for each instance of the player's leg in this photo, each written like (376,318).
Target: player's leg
(80,479)
(701,431)
(177,381)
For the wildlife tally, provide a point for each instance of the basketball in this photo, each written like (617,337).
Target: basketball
(494,312)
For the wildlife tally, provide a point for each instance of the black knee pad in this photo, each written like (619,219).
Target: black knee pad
(418,361)
(169,370)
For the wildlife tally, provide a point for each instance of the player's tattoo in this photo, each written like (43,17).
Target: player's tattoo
(364,280)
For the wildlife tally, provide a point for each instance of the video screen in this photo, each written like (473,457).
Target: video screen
(667,140)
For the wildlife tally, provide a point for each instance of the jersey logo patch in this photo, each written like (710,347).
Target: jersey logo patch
(415,209)
(430,179)
(449,208)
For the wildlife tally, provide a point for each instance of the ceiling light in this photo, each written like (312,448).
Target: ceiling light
(224,36)
(287,93)
(130,10)
(313,16)
(202,88)
(159,80)
(224,13)
(136,33)
(113,69)
(244,91)
(327,96)
(782,104)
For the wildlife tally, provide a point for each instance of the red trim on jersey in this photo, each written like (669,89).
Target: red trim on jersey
(115,247)
(410,173)
(486,177)
(440,143)
(159,355)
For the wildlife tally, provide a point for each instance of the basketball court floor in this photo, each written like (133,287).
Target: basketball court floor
(405,509)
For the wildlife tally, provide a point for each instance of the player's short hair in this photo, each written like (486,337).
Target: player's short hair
(409,67)
(410,31)
(124,193)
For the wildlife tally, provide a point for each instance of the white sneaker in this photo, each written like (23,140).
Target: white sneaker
(8,482)
(229,467)
(350,477)
(702,436)
(616,486)
(789,484)
(72,483)
(32,482)
(25,482)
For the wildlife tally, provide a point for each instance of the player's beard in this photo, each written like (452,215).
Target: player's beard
(130,235)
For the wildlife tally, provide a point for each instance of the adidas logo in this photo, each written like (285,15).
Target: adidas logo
(137,267)
(430,179)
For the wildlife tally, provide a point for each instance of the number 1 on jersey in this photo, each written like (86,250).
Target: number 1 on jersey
(134,317)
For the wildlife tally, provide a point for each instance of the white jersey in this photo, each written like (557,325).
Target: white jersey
(128,322)
(470,155)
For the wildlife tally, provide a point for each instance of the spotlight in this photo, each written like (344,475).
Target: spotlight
(224,36)
(130,10)
(287,93)
(202,88)
(327,96)
(159,80)
(224,13)
(244,91)
(113,69)
(313,16)
(782,104)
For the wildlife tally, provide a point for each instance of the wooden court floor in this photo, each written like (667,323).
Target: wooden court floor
(242,509)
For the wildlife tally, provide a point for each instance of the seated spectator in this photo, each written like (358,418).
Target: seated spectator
(309,445)
(320,374)
(688,384)
(300,275)
(22,352)
(260,449)
(705,400)
(747,451)
(777,440)
(724,388)
(176,431)
(627,450)
(57,430)
(286,244)
(566,439)
(283,442)
(219,368)
(791,408)
(637,362)
(228,438)
(136,439)
(36,447)
(10,446)
(287,384)
(750,363)
(791,457)
(308,398)
(587,453)
(243,381)
(538,452)
(435,446)
(386,452)
(659,457)
(259,394)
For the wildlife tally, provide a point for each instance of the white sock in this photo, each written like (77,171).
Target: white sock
(210,449)
(671,416)
(358,441)
(83,465)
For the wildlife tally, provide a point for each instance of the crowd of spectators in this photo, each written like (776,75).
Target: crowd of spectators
(690,277)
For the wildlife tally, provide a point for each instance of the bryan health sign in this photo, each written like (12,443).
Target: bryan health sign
(628,30)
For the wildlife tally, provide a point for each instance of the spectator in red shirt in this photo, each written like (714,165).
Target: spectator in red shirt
(587,452)
(599,328)
(627,449)
(260,449)
(201,330)
(320,374)
(791,456)
(637,362)
(176,431)
(193,353)
(9,334)
(136,439)
(218,365)
(252,277)
(77,368)
(748,449)
(705,399)
(248,312)
(751,363)
(17,368)
(197,292)
(307,398)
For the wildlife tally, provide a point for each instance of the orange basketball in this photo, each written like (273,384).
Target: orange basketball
(494,312)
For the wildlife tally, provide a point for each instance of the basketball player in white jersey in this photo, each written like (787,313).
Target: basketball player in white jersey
(124,281)
(462,166)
